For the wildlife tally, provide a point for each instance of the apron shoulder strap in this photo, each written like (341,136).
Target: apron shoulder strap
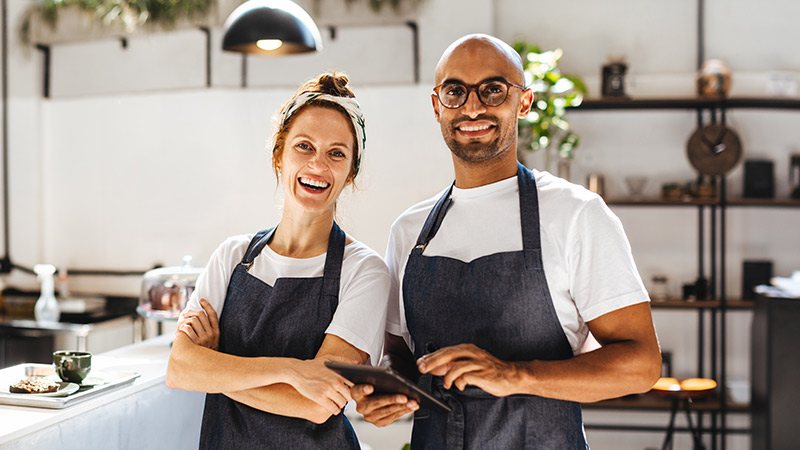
(333,265)
(529,214)
(433,222)
(257,244)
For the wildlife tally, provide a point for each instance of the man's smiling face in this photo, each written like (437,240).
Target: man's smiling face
(475,132)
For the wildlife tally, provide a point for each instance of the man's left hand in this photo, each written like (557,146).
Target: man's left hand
(467,364)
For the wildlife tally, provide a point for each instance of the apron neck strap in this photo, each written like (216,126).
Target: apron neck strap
(528,210)
(333,258)
(433,222)
(333,265)
(257,244)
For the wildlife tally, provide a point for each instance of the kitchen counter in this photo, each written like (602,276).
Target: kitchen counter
(26,341)
(93,324)
(144,414)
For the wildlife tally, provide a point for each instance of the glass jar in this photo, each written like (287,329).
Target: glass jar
(166,290)
(659,291)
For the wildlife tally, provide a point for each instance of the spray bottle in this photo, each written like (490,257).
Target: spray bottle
(46,309)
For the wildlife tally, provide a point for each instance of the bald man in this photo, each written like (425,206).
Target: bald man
(500,278)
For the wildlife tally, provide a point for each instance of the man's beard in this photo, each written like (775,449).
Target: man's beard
(476,152)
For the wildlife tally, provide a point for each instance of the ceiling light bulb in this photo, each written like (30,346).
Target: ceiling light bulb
(269,44)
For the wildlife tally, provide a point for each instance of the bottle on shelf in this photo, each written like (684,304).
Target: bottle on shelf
(46,310)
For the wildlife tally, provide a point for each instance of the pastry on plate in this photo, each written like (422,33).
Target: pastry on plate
(34,385)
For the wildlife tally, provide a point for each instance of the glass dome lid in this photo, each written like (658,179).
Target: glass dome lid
(166,290)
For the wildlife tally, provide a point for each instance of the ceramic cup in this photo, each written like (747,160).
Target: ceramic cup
(72,366)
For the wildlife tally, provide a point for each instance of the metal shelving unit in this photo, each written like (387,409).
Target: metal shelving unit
(717,407)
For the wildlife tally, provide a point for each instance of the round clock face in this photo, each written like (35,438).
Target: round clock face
(714,149)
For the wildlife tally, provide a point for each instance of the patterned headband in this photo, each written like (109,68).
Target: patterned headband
(349,104)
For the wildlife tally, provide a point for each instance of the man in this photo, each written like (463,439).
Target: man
(499,280)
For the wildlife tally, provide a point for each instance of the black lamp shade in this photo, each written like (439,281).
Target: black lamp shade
(271,20)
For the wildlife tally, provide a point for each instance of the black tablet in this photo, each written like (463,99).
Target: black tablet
(386,381)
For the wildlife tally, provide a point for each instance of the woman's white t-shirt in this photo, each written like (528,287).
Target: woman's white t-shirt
(363,288)
(587,258)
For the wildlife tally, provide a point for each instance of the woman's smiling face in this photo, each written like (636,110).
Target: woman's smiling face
(317,159)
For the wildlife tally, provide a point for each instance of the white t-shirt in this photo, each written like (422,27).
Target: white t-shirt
(587,258)
(363,287)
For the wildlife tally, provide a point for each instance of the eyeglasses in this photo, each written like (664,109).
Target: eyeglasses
(453,94)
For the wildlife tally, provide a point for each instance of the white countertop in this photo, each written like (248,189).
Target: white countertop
(149,358)
(145,413)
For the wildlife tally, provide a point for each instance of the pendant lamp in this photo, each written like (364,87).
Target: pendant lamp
(270,27)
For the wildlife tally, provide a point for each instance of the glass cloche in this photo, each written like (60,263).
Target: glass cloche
(166,290)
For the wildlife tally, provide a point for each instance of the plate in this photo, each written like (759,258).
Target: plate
(92,381)
(86,383)
(65,390)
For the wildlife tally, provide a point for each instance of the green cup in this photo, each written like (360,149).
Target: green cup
(72,366)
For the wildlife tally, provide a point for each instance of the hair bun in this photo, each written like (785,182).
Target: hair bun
(334,84)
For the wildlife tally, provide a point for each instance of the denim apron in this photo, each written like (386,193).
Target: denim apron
(500,303)
(288,319)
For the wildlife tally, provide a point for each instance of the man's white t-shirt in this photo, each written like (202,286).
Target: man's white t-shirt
(363,287)
(586,256)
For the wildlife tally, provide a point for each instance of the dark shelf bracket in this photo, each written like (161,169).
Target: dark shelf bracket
(415,37)
(244,70)
(45,49)
(207,32)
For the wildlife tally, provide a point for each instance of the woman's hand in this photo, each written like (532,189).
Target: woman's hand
(202,327)
(319,384)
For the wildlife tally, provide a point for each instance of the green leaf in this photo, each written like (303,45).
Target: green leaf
(545,125)
(578,82)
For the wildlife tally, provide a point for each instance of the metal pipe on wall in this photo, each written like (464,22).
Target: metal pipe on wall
(5,264)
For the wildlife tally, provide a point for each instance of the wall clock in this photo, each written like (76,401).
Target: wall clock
(714,149)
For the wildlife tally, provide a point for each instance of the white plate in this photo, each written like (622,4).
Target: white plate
(87,382)
(65,390)
(92,381)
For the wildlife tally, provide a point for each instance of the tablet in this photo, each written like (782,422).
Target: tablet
(386,381)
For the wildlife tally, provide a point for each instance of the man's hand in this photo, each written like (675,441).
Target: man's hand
(381,410)
(202,327)
(466,364)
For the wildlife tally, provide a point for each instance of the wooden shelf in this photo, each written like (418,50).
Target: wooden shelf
(702,304)
(733,202)
(769,202)
(687,103)
(650,402)
(657,201)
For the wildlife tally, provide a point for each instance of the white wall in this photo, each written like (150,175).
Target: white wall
(134,162)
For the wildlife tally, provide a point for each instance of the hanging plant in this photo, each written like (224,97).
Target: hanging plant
(553,92)
(128,14)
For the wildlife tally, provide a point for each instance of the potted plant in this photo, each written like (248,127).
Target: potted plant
(545,126)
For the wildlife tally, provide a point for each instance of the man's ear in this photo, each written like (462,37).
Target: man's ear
(436,105)
(525,103)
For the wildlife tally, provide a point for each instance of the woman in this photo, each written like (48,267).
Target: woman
(289,298)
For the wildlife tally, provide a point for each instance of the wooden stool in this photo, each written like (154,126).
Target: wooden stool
(682,393)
